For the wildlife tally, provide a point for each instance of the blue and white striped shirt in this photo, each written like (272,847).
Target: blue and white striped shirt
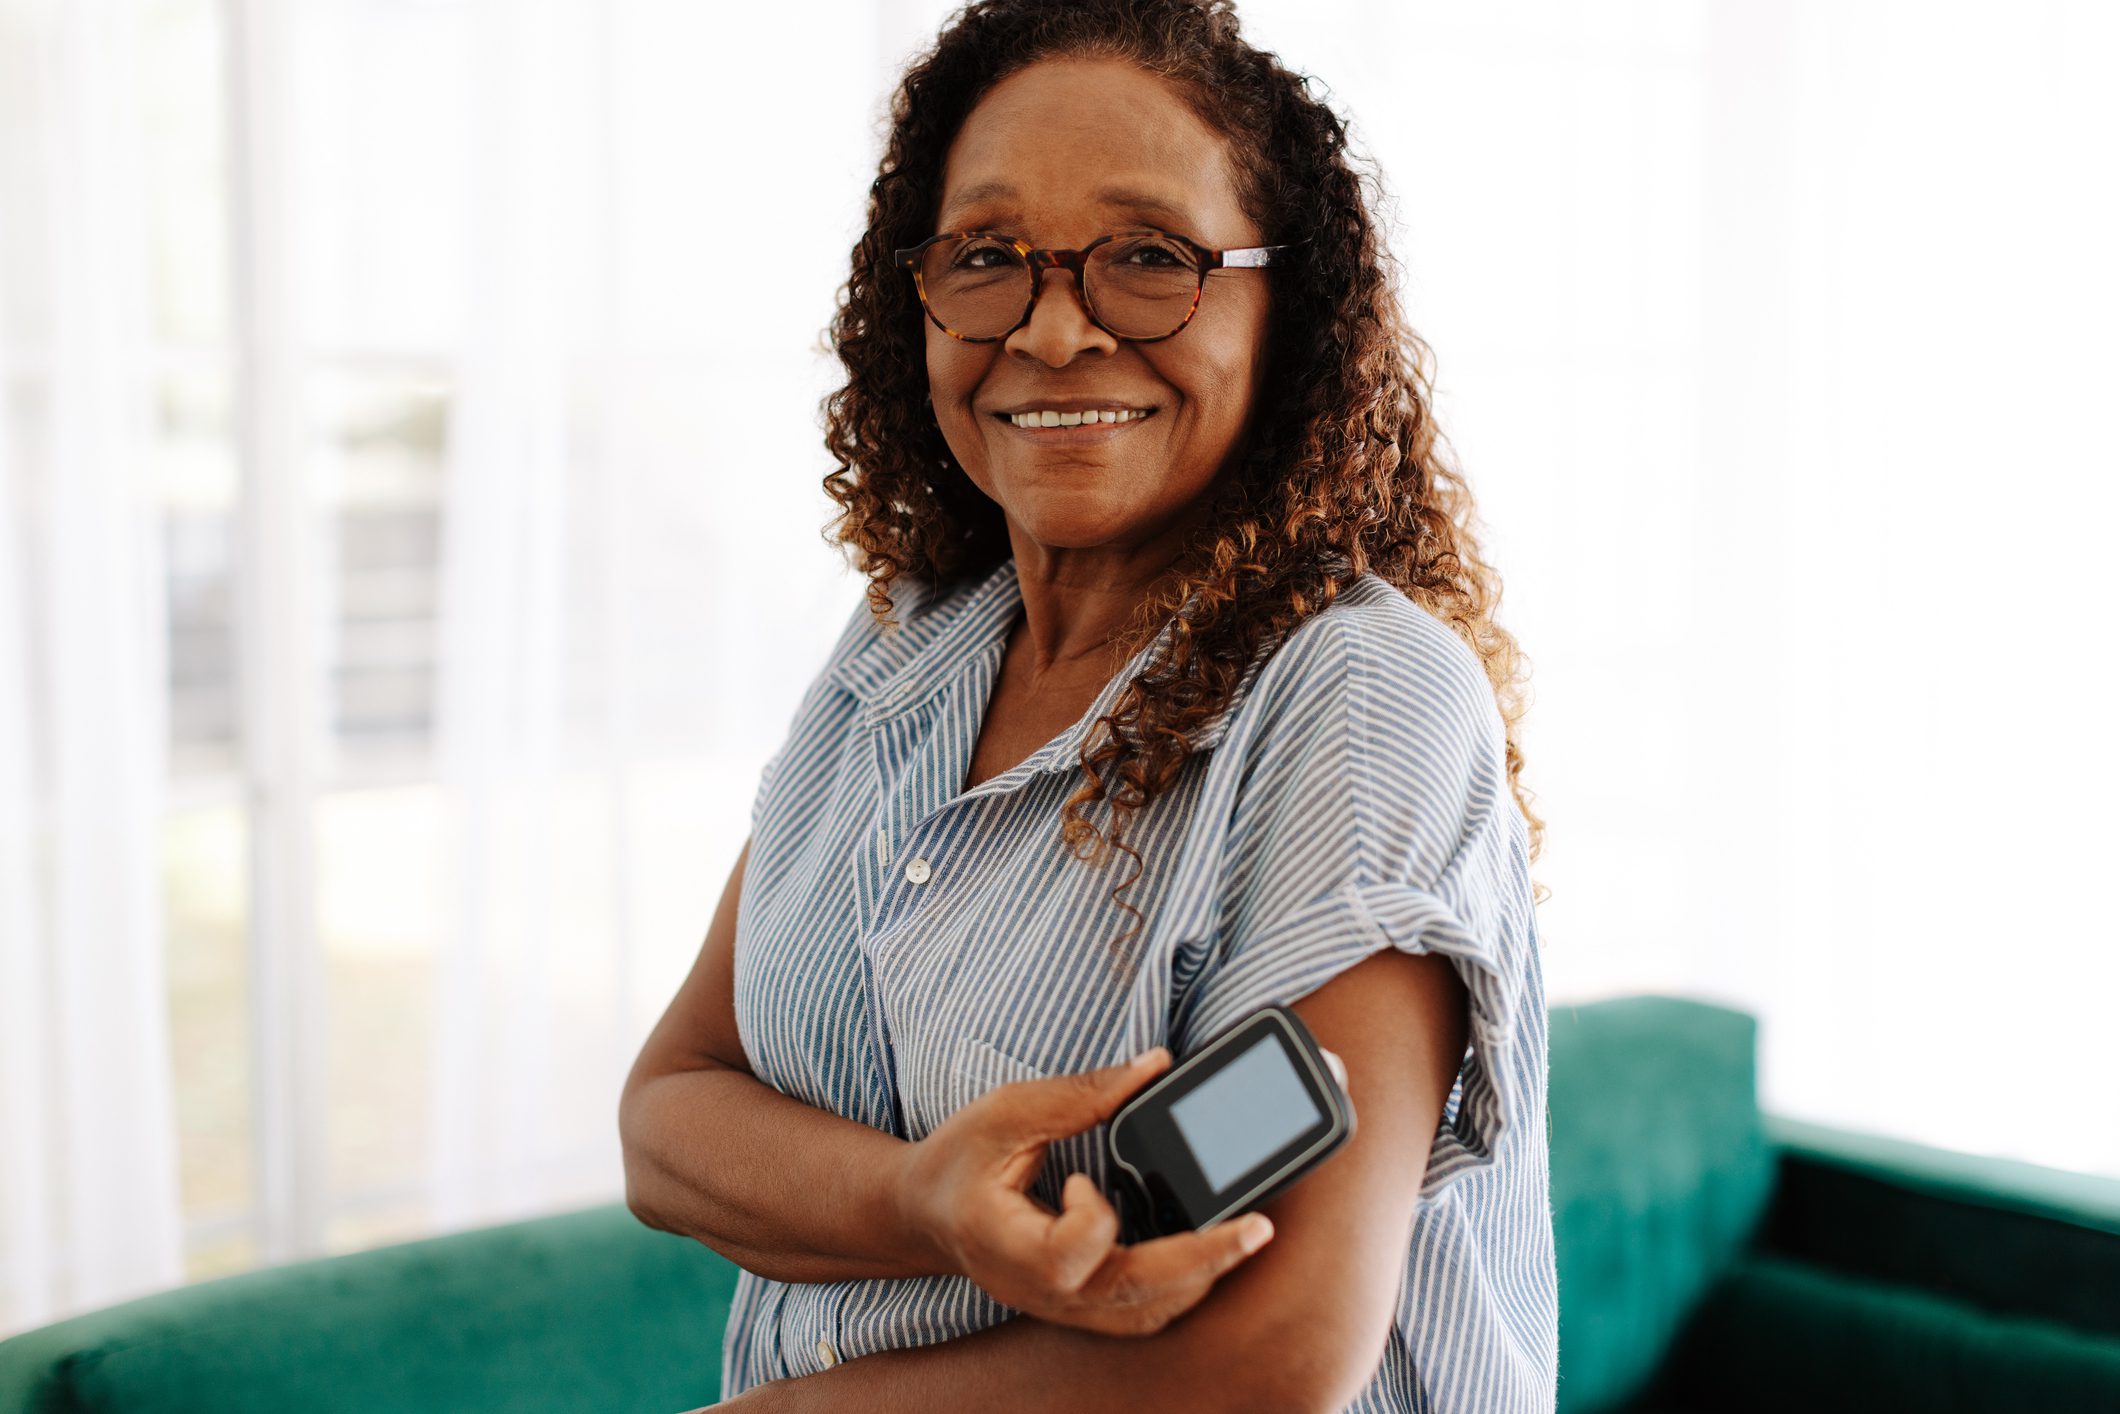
(904,944)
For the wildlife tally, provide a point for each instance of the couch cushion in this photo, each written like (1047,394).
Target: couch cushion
(1660,1177)
(590,1310)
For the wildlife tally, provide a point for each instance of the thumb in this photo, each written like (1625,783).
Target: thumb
(1070,1104)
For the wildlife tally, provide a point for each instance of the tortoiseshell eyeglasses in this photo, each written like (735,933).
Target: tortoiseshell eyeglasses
(1141,284)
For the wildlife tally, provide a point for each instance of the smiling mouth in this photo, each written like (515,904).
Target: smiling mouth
(1084,436)
(1091,423)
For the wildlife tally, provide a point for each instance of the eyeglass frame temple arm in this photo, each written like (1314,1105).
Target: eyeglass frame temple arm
(1235,258)
(1254,257)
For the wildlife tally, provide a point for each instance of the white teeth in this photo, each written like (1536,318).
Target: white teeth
(1048,418)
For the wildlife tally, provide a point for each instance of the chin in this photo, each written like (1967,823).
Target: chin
(1061,528)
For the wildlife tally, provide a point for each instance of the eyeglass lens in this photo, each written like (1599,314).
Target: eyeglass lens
(1140,286)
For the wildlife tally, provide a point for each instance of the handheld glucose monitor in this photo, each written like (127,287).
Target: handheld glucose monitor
(1231,1126)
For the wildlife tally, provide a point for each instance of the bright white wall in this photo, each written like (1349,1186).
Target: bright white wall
(1777,340)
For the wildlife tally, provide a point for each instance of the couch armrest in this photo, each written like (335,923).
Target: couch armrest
(587,1310)
(1777,1334)
(1891,1275)
(2004,1236)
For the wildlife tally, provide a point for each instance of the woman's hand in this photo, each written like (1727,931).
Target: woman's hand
(964,1187)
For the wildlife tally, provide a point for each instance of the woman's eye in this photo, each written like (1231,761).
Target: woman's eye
(1154,251)
(970,258)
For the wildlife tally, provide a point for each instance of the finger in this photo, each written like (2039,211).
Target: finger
(1143,1288)
(1065,1105)
(1251,1232)
(1083,1234)
(1045,1251)
(1019,1238)
(1185,1259)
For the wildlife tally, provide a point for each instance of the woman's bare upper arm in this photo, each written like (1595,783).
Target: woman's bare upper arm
(698,1028)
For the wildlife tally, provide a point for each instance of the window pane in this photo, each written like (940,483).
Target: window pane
(377,1223)
(195,460)
(589,1044)
(377,455)
(206,902)
(379,437)
(196,474)
(204,696)
(379,857)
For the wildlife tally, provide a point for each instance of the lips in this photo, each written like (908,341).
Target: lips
(1086,416)
(1082,434)
(1096,404)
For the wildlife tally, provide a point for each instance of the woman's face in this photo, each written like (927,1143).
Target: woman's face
(1058,154)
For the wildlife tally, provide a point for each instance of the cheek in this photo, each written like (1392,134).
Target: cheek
(1222,385)
(952,387)
(952,366)
(1226,365)
(954,372)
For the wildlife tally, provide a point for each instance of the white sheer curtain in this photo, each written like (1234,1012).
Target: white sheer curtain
(629,530)
(88,1187)
(509,524)
(1774,338)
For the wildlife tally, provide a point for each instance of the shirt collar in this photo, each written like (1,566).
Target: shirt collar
(939,637)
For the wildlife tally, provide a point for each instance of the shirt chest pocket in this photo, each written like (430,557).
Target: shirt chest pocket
(977,1065)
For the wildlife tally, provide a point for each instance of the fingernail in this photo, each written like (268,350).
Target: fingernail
(1256,1230)
(1149,1057)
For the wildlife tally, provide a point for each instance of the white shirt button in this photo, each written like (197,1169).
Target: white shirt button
(917,870)
(827,1354)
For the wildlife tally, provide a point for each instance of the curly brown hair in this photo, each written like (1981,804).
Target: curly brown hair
(1343,473)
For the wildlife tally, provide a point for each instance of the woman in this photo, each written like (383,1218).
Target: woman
(1159,534)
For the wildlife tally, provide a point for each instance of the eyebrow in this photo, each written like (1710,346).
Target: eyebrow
(1125,198)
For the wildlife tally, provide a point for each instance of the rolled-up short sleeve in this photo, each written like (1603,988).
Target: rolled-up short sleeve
(1375,812)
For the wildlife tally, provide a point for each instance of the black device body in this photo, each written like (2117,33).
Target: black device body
(1226,1129)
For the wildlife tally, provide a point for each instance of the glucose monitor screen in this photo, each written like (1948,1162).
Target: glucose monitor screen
(1252,1107)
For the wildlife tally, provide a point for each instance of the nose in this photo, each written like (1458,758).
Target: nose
(1082,329)
(1056,275)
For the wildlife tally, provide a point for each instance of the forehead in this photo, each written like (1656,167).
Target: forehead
(1078,144)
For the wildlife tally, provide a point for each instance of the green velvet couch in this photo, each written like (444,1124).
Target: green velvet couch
(1711,1259)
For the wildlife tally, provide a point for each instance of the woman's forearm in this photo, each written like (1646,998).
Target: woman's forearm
(1197,1365)
(781,1188)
